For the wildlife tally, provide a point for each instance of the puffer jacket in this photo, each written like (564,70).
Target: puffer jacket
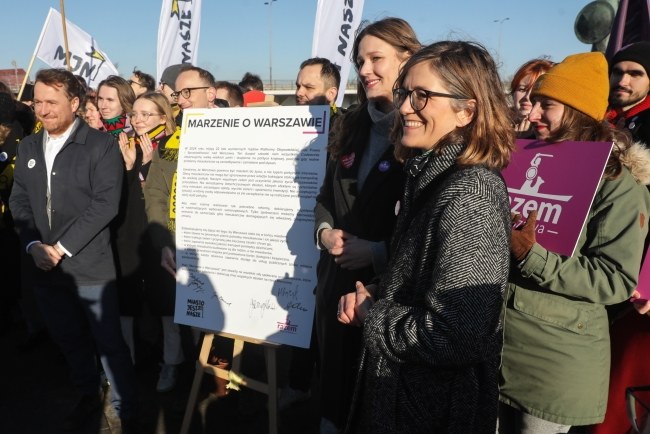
(556,350)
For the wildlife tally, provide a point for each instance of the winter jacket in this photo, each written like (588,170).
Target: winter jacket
(556,350)
(368,213)
(160,287)
(86,183)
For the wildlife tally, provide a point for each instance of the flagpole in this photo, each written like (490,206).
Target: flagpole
(65,37)
(31,62)
(29,68)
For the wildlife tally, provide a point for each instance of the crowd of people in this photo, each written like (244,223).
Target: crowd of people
(437,311)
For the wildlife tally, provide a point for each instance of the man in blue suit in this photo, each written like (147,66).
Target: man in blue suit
(67,185)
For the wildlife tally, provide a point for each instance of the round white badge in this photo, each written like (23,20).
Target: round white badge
(3,157)
(183,276)
(31,163)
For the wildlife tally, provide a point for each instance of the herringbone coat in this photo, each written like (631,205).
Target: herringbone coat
(432,340)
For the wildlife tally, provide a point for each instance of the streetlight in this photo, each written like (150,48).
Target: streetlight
(15,65)
(270,4)
(499,43)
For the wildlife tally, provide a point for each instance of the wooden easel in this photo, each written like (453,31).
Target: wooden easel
(203,367)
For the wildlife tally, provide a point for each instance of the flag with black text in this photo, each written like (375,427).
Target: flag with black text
(86,59)
(178,33)
(336,23)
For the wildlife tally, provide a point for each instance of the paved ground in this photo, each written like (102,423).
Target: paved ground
(35,395)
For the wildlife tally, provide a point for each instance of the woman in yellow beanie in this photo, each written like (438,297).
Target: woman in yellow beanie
(556,356)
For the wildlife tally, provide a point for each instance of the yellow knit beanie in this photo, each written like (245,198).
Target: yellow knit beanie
(580,81)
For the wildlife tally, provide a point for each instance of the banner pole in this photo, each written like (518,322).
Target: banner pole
(65,37)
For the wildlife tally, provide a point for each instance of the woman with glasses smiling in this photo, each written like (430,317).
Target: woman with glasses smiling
(431,323)
(151,119)
(153,122)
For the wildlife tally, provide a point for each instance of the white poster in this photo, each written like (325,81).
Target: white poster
(86,59)
(336,23)
(178,33)
(246,190)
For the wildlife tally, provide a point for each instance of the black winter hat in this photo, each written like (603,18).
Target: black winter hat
(28,93)
(638,52)
(7,109)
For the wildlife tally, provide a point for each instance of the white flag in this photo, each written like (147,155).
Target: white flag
(86,59)
(178,33)
(336,23)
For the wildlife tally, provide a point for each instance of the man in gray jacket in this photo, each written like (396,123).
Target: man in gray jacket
(67,185)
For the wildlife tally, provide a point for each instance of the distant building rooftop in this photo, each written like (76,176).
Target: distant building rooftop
(13,78)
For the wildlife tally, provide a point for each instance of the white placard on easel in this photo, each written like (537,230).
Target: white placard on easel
(246,188)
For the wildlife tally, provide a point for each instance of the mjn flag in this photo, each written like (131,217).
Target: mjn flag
(86,59)
(178,33)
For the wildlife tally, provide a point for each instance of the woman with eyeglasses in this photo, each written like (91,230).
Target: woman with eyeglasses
(431,324)
(154,126)
(355,210)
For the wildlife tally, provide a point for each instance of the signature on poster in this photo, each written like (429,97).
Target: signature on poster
(258,308)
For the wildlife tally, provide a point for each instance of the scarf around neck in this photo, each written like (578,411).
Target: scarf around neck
(615,115)
(155,134)
(117,124)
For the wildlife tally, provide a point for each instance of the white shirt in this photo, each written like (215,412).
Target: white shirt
(53,146)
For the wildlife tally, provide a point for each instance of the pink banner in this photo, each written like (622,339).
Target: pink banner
(559,181)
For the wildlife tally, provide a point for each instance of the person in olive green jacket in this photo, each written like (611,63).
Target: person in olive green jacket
(556,355)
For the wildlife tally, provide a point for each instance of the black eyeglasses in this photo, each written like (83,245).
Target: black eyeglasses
(418,97)
(135,82)
(221,103)
(185,93)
